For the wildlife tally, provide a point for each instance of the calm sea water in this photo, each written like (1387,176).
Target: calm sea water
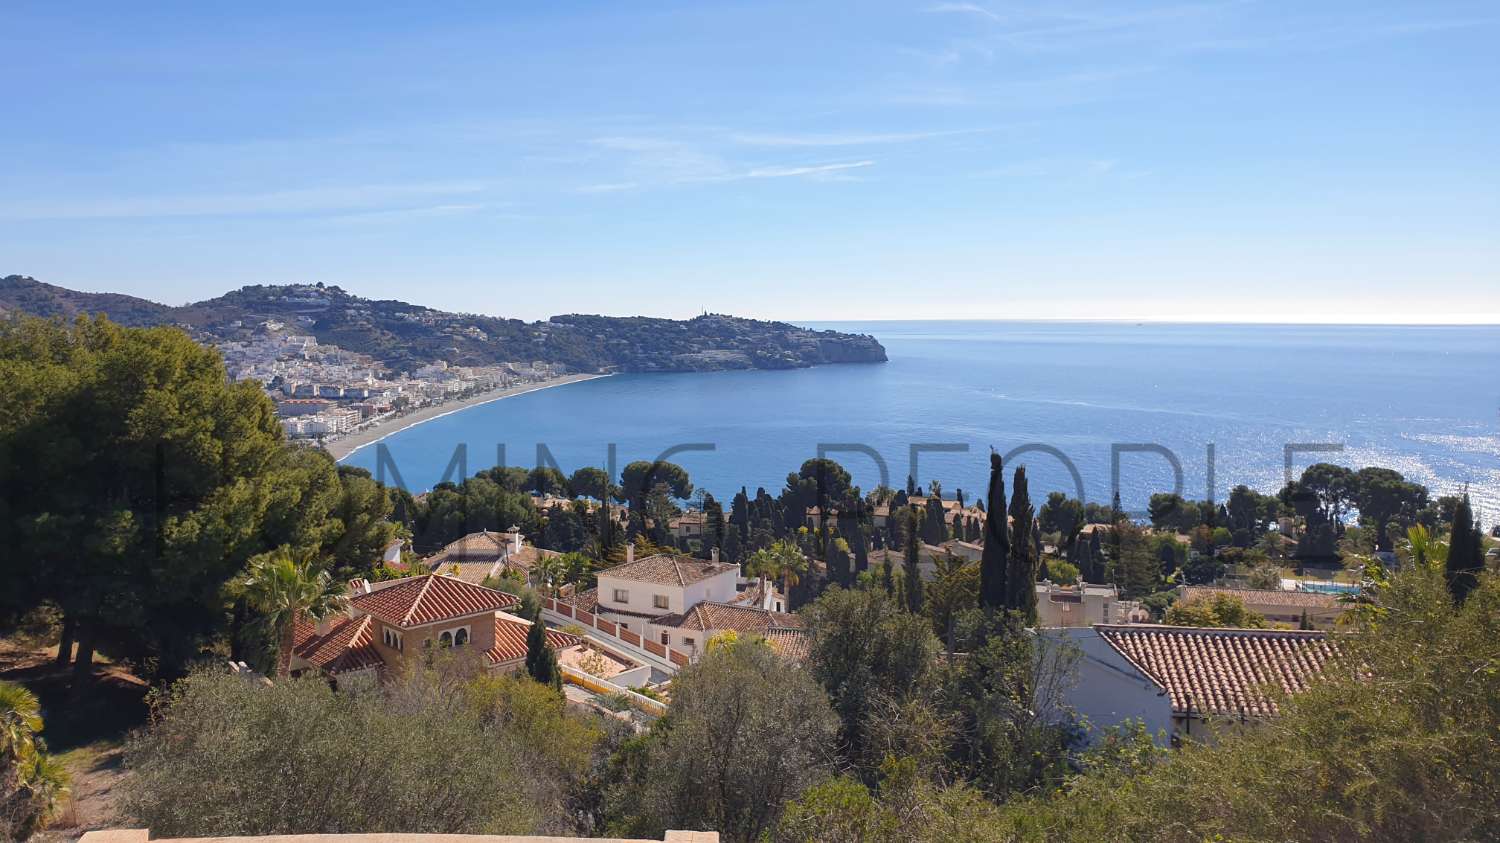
(1422,400)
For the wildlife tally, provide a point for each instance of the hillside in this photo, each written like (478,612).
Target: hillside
(403,335)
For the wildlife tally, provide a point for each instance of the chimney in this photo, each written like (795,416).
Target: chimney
(515,542)
(714,555)
(630,551)
(325,624)
(767,595)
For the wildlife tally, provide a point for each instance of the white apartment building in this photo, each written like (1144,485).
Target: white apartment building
(1083,605)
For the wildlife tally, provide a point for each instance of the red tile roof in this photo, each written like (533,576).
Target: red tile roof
(510,639)
(586,600)
(348,645)
(1222,671)
(789,643)
(427,599)
(667,570)
(708,616)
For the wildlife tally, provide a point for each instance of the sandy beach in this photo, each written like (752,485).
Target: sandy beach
(369,436)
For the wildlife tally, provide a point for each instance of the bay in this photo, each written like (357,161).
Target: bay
(1085,396)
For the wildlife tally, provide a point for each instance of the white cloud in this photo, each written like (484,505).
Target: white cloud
(966,9)
(825,140)
(813,170)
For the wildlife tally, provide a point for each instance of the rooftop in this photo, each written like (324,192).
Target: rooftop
(707,616)
(416,601)
(510,639)
(348,645)
(1222,671)
(667,569)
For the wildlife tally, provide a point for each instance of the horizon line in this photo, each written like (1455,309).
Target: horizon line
(1495,323)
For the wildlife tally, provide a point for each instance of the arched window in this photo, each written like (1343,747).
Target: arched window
(446,639)
(461,637)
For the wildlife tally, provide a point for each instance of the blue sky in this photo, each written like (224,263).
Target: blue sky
(1328,161)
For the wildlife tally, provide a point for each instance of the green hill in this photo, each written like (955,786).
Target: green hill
(403,335)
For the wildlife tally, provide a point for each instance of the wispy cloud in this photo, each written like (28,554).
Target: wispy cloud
(811,170)
(300,201)
(965,9)
(607,187)
(654,161)
(854,139)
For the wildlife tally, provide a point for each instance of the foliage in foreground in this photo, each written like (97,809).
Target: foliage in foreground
(1401,742)
(746,732)
(31,781)
(226,756)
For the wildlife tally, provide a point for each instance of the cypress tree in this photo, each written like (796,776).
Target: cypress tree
(935,523)
(541,662)
(996,543)
(1465,552)
(888,576)
(861,551)
(1020,578)
(913,575)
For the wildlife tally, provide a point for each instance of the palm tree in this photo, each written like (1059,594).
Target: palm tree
(549,572)
(287,588)
(782,559)
(1424,549)
(20,720)
(31,781)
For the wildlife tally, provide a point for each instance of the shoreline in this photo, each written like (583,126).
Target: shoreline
(343,448)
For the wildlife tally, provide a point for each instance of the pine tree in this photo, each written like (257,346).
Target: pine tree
(992,563)
(1020,577)
(913,575)
(1465,552)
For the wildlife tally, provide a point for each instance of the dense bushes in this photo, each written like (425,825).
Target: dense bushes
(227,756)
(1402,742)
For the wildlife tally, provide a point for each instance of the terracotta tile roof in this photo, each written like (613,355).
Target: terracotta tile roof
(526,558)
(479,546)
(667,570)
(427,599)
(348,645)
(708,616)
(469,572)
(790,643)
(1222,671)
(586,600)
(1266,596)
(510,639)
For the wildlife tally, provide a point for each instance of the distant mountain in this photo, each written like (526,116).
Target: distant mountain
(404,336)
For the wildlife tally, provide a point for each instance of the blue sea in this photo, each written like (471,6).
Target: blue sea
(1086,406)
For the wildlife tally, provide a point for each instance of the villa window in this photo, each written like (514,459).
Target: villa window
(461,636)
(659,601)
(622,596)
(446,639)
(690,642)
(392,639)
(666,638)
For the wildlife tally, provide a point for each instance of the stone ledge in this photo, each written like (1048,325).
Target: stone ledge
(141,835)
